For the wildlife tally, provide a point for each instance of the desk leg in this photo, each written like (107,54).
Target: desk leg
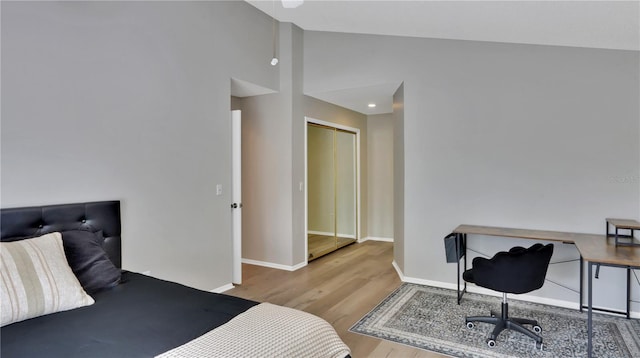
(458,271)
(628,291)
(589,313)
(461,241)
(464,243)
(458,238)
(581,280)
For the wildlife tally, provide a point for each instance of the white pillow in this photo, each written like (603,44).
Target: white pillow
(37,280)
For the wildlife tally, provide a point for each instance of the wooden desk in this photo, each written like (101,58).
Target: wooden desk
(594,249)
(557,236)
(623,224)
(564,237)
(606,253)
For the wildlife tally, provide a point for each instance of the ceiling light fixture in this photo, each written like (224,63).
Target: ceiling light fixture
(287,4)
(274,59)
(291,4)
(371,105)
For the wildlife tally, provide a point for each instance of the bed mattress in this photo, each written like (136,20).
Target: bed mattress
(141,317)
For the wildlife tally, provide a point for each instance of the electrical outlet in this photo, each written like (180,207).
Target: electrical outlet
(219,189)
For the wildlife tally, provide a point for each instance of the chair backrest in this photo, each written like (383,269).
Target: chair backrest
(518,270)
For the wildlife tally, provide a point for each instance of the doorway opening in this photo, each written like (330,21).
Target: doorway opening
(332,177)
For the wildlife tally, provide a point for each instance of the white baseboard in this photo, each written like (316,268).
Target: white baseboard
(325,233)
(348,236)
(274,265)
(224,288)
(481,290)
(398,271)
(373,238)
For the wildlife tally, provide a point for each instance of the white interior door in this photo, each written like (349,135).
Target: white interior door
(236,194)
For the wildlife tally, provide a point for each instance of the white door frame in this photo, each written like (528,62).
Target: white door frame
(306,179)
(236,193)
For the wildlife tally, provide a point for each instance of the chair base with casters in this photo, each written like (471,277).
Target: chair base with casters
(503,322)
(516,271)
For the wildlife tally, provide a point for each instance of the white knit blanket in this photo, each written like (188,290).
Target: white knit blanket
(267,330)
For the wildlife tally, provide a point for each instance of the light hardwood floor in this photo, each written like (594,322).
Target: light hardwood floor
(340,287)
(320,245)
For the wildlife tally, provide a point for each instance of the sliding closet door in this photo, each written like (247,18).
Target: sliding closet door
(332,189)
(345,160)
(321,190)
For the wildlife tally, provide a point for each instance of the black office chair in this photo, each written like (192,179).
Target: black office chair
(517,271)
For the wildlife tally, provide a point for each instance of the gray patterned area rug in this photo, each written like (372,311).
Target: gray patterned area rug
(429,318)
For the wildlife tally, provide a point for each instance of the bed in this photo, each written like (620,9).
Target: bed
(127,314)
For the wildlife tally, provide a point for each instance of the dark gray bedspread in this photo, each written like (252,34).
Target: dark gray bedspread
(141,317)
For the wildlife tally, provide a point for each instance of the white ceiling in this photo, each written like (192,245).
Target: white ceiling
(592,24)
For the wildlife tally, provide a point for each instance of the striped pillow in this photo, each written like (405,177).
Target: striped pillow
(37,280)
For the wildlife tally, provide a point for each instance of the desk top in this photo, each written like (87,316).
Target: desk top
(605,251)
(624,223)
(567,237)
(592,247)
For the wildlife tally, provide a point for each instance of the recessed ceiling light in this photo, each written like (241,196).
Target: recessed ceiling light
(291,4)
(371,105)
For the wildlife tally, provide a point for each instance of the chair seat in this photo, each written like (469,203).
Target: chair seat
(518,270)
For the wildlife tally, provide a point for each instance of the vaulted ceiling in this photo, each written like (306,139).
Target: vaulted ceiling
(591,24)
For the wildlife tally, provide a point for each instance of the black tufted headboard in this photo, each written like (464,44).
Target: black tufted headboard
(18,223)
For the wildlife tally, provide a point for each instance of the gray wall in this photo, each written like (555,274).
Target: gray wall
(273,128)
(266,179)
(297,132)
(130,101)
(236,103)
(273,138)
(398,178)
(380,175)
(500,134)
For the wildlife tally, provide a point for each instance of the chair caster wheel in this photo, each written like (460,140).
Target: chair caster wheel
(470,325)
(537,329)
(491,343)
(539,345)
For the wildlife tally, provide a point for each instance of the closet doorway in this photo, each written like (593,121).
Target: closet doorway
(332,187)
